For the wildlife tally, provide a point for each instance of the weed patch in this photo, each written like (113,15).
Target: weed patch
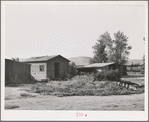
(81,86)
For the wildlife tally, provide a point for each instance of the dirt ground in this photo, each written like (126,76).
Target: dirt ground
(20,98)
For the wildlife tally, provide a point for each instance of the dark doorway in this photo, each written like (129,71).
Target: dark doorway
(57,70)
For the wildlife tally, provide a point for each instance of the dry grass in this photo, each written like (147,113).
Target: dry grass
(133,102)
(12,93)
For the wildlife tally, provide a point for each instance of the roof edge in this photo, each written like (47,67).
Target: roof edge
(45,60)
(60,56)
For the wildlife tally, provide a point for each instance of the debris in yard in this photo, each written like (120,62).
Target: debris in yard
(132,87)
(128,85)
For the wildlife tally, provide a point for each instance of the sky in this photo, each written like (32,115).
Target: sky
(70,29)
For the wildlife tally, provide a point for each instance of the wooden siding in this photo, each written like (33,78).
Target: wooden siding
(64,65)
(36,73)
(16,72)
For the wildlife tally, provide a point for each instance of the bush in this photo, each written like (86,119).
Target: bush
(81,87)
(111,75)
(100,76)
(84,92)
(85,77)
(72,69)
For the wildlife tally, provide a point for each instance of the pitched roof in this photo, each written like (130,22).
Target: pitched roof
(98,65)
(42,58)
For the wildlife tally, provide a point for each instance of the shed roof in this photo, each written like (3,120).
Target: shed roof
(98,65)
(42,58)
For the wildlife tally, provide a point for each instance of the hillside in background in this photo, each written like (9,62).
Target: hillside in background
(81,60)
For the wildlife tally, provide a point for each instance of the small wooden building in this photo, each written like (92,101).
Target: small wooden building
(16,72)
(48,67)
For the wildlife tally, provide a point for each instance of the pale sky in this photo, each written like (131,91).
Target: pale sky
(70,29)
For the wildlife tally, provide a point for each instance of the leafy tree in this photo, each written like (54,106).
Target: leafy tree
(100,52)
(119,50)
(108,50)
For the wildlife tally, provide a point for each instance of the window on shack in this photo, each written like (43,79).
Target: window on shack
(41,68)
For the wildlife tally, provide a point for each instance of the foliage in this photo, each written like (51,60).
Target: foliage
(119,50)
(86,77)
(72,69)
(108,50)
(100,53)
(82,85)
(100,76)
(111,75)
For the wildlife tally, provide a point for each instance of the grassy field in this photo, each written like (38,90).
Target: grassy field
(23,97)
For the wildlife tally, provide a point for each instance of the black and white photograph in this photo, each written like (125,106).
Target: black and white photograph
(74,60)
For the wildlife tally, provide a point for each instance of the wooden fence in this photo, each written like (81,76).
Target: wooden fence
(16,72)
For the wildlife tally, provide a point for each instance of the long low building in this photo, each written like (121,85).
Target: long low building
(97,67)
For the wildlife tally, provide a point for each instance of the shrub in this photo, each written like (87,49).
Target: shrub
(72,69)
(100,76)
(83,92)
(85,77)
(84,85)
(111,75)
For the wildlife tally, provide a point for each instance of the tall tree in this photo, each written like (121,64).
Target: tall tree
(119,50)
(100,52)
